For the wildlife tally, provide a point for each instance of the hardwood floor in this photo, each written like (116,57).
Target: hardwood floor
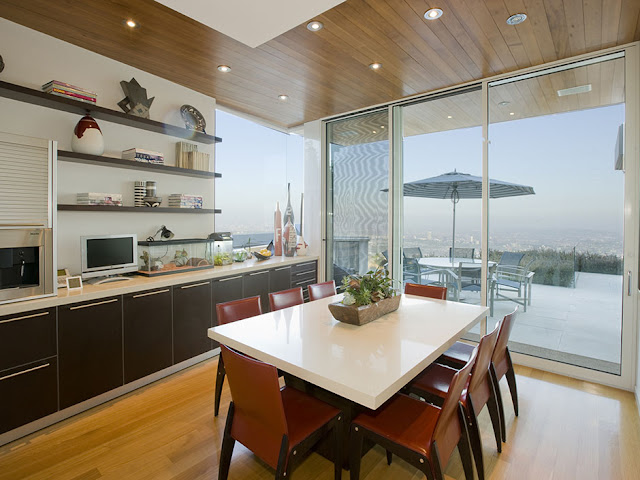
(567,429)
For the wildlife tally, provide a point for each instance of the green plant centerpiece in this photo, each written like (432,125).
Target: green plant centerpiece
(366,298)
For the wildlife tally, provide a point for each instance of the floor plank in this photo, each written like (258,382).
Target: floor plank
(567,429)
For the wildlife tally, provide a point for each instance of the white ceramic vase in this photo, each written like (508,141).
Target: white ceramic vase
(87,137)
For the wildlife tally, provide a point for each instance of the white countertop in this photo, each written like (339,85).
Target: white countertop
(366,364)
(139,283)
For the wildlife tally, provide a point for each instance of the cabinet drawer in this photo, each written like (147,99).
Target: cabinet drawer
(28,393)
(27,337)
(304,267)
(303,277)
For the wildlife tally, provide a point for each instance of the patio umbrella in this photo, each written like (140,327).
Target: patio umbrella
(456,185)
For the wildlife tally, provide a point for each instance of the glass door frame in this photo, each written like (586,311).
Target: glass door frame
(630,330)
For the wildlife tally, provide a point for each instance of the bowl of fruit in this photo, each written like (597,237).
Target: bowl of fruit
(265,253)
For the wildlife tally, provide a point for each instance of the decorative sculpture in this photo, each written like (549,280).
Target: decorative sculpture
(136,101)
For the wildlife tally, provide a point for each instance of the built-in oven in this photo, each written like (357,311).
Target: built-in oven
(26,263)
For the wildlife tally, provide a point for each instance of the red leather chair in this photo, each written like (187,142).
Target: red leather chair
(228,312)
(501,364)
(322,290)
(433,384)
(277,425)
(286,298)
(422,434)
(430,291)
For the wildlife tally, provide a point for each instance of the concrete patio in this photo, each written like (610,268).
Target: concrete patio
(580,326)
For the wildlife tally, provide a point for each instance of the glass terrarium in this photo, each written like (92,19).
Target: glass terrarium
(173,256)
(222,248)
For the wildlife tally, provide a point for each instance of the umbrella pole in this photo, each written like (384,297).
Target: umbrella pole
(453,240)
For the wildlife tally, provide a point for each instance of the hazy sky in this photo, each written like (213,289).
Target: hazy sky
(567,158)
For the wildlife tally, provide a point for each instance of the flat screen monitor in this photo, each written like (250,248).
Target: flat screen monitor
(104,255)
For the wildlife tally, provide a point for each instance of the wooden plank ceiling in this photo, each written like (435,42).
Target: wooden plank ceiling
(326,72)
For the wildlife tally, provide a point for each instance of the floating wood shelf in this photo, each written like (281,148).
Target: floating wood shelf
(112,208)
(66,156)
(35,97)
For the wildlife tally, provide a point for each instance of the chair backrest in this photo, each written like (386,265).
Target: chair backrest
(259,421)
(480,372)
(286,298)
(228,312)
(463,252)
(448,427)
(412,252)
(322,290)
(511,258)
(505,326)
(430,291)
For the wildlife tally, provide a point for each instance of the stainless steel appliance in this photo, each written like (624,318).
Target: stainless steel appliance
(26,264)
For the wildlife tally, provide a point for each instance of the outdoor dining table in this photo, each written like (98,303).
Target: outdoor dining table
(449,263)
(352,367)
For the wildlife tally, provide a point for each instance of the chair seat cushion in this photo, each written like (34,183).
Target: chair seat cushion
(305,414)
(459,353)
(434,380)
(508,283)
(404,421)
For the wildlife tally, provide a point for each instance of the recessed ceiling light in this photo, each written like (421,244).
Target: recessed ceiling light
(283,97)
(131,23)
(375,66)
(504,103)
(433,13)
(574,90)
(374,131)
(224,68)
(511,113)
(315,26)
(449,116)
(381,126)
(516,19)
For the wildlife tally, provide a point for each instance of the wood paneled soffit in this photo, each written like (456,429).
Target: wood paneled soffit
(326,72)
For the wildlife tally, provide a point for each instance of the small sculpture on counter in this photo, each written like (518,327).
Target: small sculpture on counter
(136,101)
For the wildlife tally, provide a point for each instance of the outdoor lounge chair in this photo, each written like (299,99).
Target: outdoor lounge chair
(511,277)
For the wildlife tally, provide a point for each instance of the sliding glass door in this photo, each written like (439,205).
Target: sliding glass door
(357,205)
(559,249)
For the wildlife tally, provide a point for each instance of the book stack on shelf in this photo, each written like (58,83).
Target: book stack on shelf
(93,198)
(185,200)
(146,156)
(62,89)
(188,156)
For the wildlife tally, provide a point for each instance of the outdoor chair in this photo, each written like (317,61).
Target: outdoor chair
(278,425)
(463,252)
(511,277)
(286,298)
(420,433)
(412,252)
(228,312)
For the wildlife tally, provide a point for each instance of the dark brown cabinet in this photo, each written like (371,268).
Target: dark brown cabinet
(28,368)
(224,290)
(191,320)
(280,279)
(257,283)
(89,349)
(27,393)
(148,345)
(303,275)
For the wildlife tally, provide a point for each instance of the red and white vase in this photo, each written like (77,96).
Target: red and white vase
(87,137)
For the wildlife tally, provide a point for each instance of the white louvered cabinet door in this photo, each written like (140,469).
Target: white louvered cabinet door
(26,181)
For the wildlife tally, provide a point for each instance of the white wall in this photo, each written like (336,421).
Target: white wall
(33,59)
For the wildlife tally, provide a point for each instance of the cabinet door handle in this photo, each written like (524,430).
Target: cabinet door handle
(305,273)
(41,314)
(78,307)
(151,293)
(230,278)
(24,371)
(257,273)
(184,287)
(305,264)
(281,268)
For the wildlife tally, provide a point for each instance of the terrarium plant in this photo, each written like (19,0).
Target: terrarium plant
(373,286)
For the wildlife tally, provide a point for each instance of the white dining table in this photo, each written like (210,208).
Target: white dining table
(365,364)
